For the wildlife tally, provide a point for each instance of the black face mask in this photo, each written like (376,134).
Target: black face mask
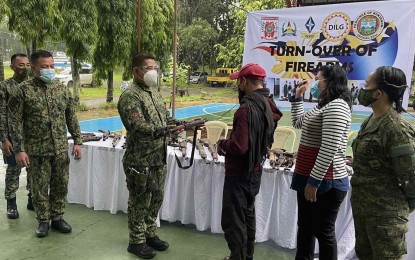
(241,95)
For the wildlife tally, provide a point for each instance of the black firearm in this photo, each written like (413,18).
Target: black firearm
(105,134)
(186,126)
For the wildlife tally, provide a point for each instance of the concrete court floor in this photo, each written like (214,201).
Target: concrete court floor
(102,235)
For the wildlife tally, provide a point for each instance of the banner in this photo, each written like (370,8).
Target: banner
(292,43)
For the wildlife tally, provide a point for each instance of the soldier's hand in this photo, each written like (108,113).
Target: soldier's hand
(7,147)
(77,152)
(22,159)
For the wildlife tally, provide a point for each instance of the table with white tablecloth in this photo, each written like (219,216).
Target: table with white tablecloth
(194,196)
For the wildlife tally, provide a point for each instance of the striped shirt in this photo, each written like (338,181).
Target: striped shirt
(323,142)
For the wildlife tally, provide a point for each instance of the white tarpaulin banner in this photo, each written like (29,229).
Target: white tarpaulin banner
(292,43)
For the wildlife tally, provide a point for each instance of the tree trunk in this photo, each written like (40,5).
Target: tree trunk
(1,61)
(34,45)
(110,83)
(76,79)
(28,52)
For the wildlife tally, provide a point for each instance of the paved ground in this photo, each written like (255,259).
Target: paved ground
(101,235)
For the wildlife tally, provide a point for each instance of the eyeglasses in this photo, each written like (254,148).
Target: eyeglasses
(149,67)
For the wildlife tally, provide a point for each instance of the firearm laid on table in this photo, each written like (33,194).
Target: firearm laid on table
(88,137)
(213,149)
(116,137)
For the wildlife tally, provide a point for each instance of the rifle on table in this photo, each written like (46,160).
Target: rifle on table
(272,158)
(213,149)
(200,148)
(116,139)
(88,137)
(183,147)
(105,134)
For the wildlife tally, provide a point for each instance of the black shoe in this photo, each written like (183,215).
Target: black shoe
(61,225)
(157,244)
(30,202)
(43,229)
(141,250)
(12,212)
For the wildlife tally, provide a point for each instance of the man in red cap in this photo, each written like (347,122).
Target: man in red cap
(252,134)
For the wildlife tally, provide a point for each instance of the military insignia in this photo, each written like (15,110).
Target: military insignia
(289,29)
(134,115)
(269,28)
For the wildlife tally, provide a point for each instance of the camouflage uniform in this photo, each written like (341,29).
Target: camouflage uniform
(144,116)
(43,111)
(383,186)
(13,171)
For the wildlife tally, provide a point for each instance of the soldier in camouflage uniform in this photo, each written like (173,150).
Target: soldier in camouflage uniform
(144,115)
(43,108)
(384,169)
(21,66)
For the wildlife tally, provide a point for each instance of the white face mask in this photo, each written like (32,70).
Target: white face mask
(151,78)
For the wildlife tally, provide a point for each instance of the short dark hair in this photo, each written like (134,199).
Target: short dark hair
(336,78)
(16,55)
(139,58)
(392,81)
(40,54)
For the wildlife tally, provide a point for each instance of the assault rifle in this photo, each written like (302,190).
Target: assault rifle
(213,149)
(183,147)
(105,134)
(88,137)
(116,139)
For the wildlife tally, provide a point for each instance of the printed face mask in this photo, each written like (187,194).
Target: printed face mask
(365,97)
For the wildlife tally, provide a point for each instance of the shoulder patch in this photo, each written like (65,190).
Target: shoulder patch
(134,115)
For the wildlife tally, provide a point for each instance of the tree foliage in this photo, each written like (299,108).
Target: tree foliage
(115,27)
(35,20)
(231,51)
(79,32)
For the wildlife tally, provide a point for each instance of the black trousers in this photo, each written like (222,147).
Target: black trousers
(317,220)
(238,215)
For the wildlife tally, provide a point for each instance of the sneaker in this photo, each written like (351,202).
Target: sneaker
(157,244)
(61,225)
(43,229)
(141,250)
(12,212)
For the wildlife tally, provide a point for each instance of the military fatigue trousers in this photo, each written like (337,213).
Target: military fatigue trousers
(12,180)
(380,219)
(49,173)
(143,208)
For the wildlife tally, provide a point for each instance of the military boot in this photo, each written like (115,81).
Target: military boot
(12,211)
(141,250)
(43,229)
(157,244)
(30,202)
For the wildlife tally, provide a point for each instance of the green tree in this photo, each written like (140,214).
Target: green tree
(35,20)
(156,32)
(3,11)
(231,52)
(79,32)
(113,45)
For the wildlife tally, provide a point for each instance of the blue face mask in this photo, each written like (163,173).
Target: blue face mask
(315,92)
(47,75)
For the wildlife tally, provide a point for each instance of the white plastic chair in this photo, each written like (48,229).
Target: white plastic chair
(282,136)
(214,130)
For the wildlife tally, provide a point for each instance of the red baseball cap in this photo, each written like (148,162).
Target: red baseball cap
(249,71)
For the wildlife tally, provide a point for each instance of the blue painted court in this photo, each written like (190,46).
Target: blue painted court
(115,124)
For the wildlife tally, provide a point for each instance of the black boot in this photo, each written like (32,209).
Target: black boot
(157,244)
(141,250)
(61,225)
(12,212)
(43,229)
(30,202)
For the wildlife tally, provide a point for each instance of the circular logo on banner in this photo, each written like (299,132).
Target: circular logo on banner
(336,26)
(368,25)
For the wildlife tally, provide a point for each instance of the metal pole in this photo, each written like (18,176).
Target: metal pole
(139,25)
(173,99)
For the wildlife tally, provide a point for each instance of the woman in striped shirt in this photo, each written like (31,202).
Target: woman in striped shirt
(320,176)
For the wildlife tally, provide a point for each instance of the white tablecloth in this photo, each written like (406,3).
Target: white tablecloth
(194,196)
